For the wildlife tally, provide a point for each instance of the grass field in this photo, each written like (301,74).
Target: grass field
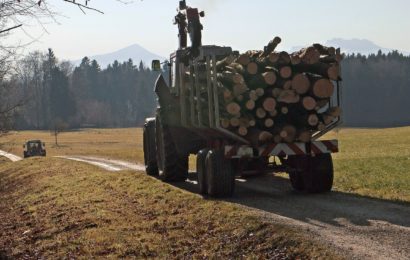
(56,209)
(372,162)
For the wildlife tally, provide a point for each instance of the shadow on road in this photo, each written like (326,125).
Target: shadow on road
(274,195)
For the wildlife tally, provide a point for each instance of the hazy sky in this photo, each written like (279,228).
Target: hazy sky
(242,24)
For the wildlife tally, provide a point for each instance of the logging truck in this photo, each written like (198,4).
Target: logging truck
(243,114)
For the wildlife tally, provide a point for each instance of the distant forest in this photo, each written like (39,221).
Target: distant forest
(376,91)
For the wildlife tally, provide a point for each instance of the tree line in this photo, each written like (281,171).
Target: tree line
(376,90)
(57,93)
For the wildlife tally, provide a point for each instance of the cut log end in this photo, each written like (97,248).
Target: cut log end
(233,109)
(323,88)
(313,120)
(269,104)
(285,72)
(301,83)
(260,113)
(270,77)
(309,103)
(252,68)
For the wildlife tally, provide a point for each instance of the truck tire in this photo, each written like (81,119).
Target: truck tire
(219,174)
(172,166)
(319,177)
(150,158)
(201,171)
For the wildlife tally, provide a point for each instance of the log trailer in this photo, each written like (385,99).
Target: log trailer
(188,121)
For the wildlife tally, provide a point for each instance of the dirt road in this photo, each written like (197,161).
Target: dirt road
(359,227)
(362,228)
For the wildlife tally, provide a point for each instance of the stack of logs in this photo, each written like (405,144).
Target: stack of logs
(272,96)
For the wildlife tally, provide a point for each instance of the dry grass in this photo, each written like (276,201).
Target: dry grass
(51,208)
(123,144)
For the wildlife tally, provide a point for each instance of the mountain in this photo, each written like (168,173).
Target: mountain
(135,52)
(362,46)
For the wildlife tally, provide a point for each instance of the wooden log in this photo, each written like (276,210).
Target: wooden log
(295,59)
(301,83)
(328,119)
(225,123)
(257,136)
(234,122)
(323,88)
(308,55)
(334,111)
(276,92)
(273,58)
(330,71)
(323,50)
(228,96)
(273,113)
(242,131)
(305,136)
(321,103)
(285,72)
(269,78)
(229,78)
(269,122)
(309,103)
(277,139)
(233,109)
(250,104)
(257,81)
(243,59)
(224,62)
(253,54)
(269,104)
(260,113)
(239,89)
(253,95)
(321,127)
(272,45)
(284,110)
(252,68)
(260,92)
(288,97)
(288,133)
(313,120)
(236,68)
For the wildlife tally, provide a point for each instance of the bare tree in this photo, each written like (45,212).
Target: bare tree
(15,14)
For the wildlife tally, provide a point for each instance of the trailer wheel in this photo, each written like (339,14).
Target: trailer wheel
(172,166)
(150,159)
(219,174)
(299,165)
(201,170)
(319,177)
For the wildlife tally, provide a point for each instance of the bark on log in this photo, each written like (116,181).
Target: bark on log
(243,59)
(225,62)
(271,46)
